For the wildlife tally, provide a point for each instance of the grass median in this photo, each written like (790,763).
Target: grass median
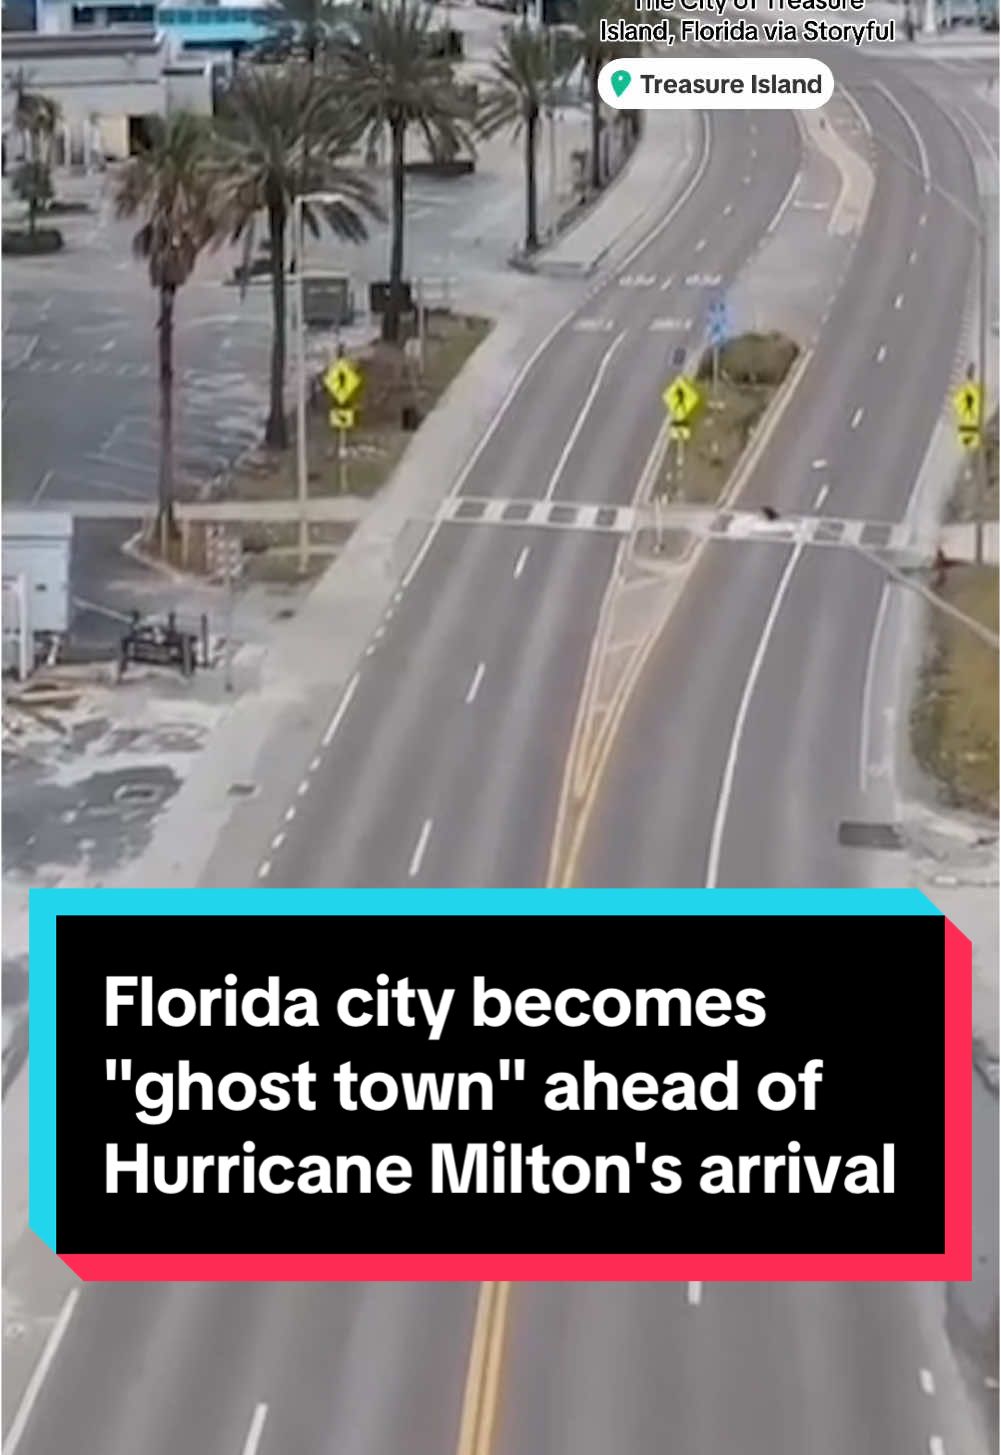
(955,716)
(395,386)
(735,396)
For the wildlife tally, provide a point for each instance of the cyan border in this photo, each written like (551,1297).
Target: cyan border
(45,905)
(42,913)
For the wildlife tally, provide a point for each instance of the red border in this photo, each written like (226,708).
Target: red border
(518,1267)
(955,1264)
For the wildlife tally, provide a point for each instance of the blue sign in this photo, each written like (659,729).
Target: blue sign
(719,321)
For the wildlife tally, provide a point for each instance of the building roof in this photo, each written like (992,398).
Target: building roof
(37,45)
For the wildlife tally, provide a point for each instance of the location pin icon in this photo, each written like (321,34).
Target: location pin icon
(620,80)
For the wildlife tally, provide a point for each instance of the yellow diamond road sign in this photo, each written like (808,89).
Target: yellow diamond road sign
(966,402)
(342,381)
(681,399)
(342,418)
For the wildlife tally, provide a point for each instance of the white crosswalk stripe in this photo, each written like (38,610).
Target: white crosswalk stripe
(551,514)
(815,530)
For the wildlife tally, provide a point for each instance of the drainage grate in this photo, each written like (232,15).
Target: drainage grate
(869,835)
(829,531)
(721,524)
(606,518)
(242,790)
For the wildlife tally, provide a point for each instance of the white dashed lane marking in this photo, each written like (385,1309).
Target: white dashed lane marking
(474,685)
(342,708)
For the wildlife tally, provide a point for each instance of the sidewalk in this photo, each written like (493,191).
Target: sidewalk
(671,139)
(959,541)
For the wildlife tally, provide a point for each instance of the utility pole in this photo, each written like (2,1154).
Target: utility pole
(554,196)
(302,455)
(302,462)
(985,291)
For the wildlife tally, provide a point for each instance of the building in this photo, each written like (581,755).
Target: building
(229,28)
(106,81)
(198,25)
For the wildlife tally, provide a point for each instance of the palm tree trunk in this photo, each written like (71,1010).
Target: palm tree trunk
(165,484)
(394,303)
(531,187)
(276,431)
(595,129)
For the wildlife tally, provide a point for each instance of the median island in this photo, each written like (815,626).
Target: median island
(764,85)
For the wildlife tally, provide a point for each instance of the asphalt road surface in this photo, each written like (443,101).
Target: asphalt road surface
(445,769)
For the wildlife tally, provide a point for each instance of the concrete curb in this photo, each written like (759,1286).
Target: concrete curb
(857,178)
(644,154)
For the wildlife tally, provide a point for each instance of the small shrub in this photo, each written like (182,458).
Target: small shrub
(27,244)
(753,358)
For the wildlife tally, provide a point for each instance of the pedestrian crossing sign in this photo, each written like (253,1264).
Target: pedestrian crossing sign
(966,402)
(342,381)
(681,399)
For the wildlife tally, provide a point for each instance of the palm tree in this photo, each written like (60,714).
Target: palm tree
(524,75)
(36,116)
(261,164)
(310,21)
(593,52)
(167,185)
(391,79)
(32,183)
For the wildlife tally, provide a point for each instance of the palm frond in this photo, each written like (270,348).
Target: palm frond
(167,185)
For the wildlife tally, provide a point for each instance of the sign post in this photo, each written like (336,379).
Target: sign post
(224,549)
(681,400)
(967,403)
(719,332)
(343,381)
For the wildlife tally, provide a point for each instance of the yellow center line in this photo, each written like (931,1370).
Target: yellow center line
(483,1376)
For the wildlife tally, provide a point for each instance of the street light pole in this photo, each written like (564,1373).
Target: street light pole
(302,454)
(302,461)
(553,189)
(978,222)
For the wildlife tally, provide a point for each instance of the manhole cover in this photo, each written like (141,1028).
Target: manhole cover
(242,790)
(870,835)
(137,793)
